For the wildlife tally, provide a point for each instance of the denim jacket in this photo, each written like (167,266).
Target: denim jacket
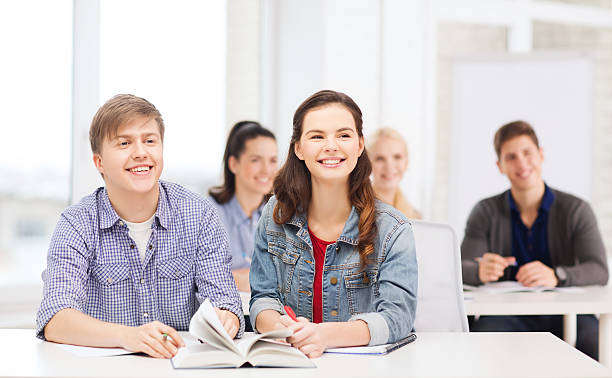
(383,294)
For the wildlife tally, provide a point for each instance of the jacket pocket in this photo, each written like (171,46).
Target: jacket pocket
(285,261)
(361,290)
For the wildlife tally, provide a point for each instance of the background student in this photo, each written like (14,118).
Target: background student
(130,264)
(344,262)
(249,166)
(550,235)
(388,153)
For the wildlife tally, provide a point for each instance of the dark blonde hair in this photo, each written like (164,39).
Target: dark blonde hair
(512,130)
(292,186)
(117,111)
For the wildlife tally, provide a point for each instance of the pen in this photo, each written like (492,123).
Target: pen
(400,343)
(478,259)
(290,312)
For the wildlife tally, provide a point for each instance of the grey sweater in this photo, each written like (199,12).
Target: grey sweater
(574,241)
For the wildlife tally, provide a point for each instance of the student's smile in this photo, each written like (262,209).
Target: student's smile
(331,162)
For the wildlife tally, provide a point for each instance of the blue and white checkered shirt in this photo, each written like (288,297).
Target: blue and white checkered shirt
(93,265)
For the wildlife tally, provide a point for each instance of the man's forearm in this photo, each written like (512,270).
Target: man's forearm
(70,326)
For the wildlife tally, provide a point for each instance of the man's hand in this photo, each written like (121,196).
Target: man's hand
(491,266)
(155,339)
(536,273)
(307,337)
(229,320)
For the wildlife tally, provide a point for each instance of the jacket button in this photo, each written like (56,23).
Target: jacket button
(333,280)
(333,313)
(337,247)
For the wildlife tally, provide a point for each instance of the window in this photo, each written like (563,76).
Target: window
(172,54)
(35,72)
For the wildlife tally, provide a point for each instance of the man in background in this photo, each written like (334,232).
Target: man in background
(533,234)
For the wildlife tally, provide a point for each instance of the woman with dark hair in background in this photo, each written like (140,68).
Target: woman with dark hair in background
(249,166)
(325,247)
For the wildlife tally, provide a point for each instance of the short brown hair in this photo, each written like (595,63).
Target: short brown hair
(116,112)
(512,130)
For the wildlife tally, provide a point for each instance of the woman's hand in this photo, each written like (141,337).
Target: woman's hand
(308,337)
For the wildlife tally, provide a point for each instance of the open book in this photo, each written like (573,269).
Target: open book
(219,350)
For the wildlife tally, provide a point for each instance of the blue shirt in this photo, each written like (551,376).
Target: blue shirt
(93,265)
(240,230)
(383,294)
(531,244)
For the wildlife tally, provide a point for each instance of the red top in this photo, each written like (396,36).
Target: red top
(318,248)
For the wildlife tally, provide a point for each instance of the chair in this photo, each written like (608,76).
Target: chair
(440,294)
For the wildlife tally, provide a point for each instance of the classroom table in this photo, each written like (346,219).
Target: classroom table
(589,300)
(431,355)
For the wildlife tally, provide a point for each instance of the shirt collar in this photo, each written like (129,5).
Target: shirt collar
(545,204)
(108,215)
(238,215)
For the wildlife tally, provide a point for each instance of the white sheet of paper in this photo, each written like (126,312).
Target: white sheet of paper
(82,351)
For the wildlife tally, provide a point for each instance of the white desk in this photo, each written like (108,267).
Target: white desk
(594,300)
(432,355)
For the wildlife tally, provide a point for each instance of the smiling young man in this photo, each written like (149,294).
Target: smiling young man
(534,234)
(130,264)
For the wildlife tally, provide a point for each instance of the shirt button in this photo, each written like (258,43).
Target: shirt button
(131,246)
(110,280)
(178,274)
(150,246)
(333,280)
(145,315)
(142,281)
(333,313)
(120,223)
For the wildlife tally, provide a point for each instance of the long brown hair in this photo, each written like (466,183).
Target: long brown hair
(240,134)
(292,186)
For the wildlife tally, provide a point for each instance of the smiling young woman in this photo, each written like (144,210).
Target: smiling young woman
(388,153)
(324,246)
(249,166)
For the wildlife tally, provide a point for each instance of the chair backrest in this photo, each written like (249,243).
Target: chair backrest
(440,305)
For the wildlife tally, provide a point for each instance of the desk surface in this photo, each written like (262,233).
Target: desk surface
(432,355)
(593,300)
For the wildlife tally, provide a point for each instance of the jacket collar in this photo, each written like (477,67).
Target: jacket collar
(349,235)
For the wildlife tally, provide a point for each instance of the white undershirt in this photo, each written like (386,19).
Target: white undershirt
(141,232)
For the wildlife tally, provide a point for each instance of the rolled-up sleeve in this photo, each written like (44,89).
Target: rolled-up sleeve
(214,278)
(264,282)
(397,284)
(66,274)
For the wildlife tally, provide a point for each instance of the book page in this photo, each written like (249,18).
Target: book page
(206,325)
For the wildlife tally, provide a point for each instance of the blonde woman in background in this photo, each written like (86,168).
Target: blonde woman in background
(388,152)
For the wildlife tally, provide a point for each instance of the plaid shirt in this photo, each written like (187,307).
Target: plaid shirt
(93,265)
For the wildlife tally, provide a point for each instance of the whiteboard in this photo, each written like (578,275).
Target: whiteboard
(551,91)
